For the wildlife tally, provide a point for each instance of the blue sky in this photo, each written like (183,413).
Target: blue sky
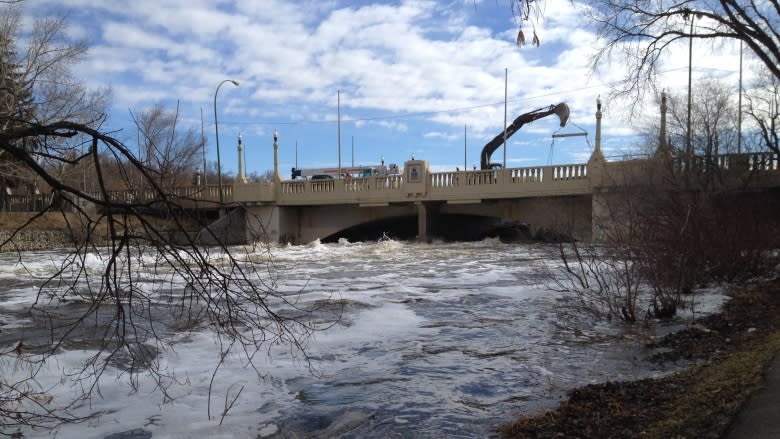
(411,74)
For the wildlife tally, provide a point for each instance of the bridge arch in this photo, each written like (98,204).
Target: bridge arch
(508,219)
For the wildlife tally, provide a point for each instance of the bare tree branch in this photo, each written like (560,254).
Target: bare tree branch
(50,129)
(639,32)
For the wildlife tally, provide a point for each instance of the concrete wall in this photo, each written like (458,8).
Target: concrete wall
(27,240)
(303,224)
(569,216)
(563,199)
(231,229)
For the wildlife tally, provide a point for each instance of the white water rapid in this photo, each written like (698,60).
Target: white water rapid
(435,340)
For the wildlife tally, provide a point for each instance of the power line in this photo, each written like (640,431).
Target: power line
(413,115)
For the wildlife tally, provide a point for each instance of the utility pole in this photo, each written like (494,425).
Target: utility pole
(689,140)
(465,166)
(338,109)
(506,79)
(203,146)
(739,105)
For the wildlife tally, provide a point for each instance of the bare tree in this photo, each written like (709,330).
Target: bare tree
(234,298)
(763,108)
(266,175)
(122,319)
(639,32)
(664,230)
(713,128)
(601,281)
(37,86)
(172,154)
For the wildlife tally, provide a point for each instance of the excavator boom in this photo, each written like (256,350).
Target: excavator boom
(562,110)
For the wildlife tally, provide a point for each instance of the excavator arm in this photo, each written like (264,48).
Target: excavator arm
(562,110)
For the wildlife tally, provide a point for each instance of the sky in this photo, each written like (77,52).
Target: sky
(422,78)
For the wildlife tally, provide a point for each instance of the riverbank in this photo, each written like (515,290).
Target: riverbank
(23,231)
(730,353)
(28,231)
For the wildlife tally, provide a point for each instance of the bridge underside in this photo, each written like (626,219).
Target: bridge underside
(509,219)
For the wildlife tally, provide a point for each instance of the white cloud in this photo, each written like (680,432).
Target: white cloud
(436,61)
(442,135)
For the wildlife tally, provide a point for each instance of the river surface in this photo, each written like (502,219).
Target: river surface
(435,340)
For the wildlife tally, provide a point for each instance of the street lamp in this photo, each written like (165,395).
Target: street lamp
(216,128)
(689,136)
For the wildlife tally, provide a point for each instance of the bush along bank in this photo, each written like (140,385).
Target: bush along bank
(730,351)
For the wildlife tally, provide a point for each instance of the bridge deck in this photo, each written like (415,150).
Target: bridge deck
(451,187)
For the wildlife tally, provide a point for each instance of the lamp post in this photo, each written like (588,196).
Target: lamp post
(739,105)
(693,15)
(689,136)
(216,128)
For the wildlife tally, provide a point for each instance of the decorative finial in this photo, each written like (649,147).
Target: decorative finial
(276,135)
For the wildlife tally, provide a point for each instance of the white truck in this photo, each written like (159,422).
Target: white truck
(346,171)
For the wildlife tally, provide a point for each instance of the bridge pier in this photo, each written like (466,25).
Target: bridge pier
(243,225)
(426,216)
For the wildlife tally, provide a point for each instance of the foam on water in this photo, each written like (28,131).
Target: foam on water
(434,340)
(117,408)
(374,324)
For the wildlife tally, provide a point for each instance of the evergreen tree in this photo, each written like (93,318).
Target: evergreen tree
(16,110)
(37,88)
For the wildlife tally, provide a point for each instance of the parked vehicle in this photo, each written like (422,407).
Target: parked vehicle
(346,172)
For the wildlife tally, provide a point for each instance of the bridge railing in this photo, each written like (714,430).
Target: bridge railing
(194,193)
(755,161)
(527,175)
(463,178)
(536,179)
(535,174)
(459,186)
(358,184)
(570,172)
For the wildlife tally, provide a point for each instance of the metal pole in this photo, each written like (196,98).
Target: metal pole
(140,156)
(739,105)
(216,129)
(338,109)
(353,151)
(465,166)
(506,76)
(296,154)
(689,140)
(277,177)
(203,146)
(241,170)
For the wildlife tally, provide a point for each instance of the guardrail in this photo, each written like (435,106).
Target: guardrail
(189,193)
(458,186)
(750,161)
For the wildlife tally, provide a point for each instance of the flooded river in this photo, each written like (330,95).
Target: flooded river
(435,340)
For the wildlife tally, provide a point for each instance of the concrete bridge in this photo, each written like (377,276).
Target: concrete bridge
(560,200)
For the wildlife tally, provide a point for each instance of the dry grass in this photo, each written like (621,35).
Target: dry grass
(49,221)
